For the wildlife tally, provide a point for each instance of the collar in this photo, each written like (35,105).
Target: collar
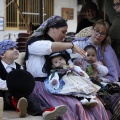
(13,65)
(47,37)
(89,41)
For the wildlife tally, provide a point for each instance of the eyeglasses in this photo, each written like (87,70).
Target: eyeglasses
(99,33)
(116,4)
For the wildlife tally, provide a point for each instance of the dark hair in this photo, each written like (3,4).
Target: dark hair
(90,47)
(91,5)
(48,64)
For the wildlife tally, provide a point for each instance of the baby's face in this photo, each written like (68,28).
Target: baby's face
(91,56)
(58,61)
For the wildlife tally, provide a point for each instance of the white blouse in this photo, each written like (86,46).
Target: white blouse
(36,58)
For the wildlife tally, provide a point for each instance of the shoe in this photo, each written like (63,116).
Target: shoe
(1,107)
(89,104)
(58,111)
(93,102)
(22,106)
(84,101)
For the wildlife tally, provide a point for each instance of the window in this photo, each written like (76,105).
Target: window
(30,10)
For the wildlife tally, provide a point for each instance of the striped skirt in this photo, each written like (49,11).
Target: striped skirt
(75,109)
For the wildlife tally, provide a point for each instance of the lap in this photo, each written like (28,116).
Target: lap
(75,109)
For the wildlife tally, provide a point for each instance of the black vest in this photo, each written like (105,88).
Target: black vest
(6,94)
(3,72)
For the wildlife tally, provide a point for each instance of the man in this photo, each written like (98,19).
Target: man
(115,29)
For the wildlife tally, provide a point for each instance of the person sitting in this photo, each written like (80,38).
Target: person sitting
(17,84)
(8,55)
(45,40)
(115,28)
(105,54)
(68,79)
(95,69)
(92,14)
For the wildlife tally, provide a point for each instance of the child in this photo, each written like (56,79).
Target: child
(9,53)
(20,84)
(69,80)
(95,69)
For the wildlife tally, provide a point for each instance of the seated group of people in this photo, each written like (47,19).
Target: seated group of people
(55,86)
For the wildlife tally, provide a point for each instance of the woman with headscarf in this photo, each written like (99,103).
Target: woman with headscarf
(45,40)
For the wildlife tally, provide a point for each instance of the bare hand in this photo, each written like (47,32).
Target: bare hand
(77,49)
(54,82)
(82,74)
(94,65)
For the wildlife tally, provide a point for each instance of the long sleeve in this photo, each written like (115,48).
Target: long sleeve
(3,85)
(103,70)
(54,76)
(112,64)
(78,69)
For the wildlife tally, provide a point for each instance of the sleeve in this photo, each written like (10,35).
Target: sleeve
(78,69)
(51,78)
(112,64)
(103,70)
(39,48)
(3,85)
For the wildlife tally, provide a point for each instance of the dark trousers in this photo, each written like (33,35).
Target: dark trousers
(7,100)
(35,106)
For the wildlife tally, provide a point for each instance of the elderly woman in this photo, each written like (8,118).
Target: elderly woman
(47,39)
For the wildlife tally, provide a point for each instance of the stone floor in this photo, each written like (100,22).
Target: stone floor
(13,115)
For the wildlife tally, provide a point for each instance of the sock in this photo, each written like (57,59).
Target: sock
(14,103)
(48,109)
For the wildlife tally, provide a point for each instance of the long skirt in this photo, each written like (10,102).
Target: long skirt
(74,85)
(75,109)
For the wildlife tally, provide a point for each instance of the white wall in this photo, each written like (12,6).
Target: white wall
(58,4)
(6,32)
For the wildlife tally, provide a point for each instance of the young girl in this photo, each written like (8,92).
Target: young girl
(68,79)
(95,69)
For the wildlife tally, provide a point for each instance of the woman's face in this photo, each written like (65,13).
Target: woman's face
(91,14)
(99,33)
(116,5)
(59,33)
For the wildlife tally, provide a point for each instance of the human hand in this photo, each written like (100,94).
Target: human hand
(95,65)
(77,62)
(54,82)
(71,66)
(77,49)
(82,74)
